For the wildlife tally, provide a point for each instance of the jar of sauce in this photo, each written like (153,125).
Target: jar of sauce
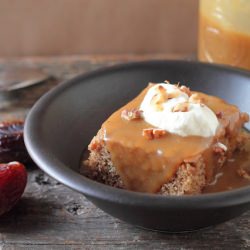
(224,32)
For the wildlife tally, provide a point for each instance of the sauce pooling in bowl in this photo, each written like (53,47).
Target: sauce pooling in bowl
(234,174)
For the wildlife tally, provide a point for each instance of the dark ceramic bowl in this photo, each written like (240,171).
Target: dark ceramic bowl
(62,123)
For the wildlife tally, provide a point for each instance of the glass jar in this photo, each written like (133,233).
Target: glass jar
(224,32)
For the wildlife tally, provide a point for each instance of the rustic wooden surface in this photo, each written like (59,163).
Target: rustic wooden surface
(51,216)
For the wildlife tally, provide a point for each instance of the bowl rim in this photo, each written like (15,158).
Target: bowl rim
(96,190)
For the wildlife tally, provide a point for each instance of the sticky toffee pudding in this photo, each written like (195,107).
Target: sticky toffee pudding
(170,140)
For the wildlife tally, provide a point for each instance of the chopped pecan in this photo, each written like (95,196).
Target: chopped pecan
(156,102)
(95,146)
(244,173)
(153,133)
(185,89)
(219,148)
(174,93)
(161,90)
(159,98)
(196,98)
(132,114)
(181,107)
(244,117)
(219,114)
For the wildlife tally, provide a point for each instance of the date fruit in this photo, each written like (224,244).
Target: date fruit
(13,179)
(12,147)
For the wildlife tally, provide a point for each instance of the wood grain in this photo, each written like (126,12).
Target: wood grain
(51,216)
(59,27)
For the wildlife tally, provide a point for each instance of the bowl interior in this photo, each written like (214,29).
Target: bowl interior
(62,123)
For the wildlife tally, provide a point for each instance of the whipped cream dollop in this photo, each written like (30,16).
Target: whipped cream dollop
(175,110)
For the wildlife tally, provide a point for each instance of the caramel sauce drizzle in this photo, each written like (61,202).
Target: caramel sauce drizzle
(145,165)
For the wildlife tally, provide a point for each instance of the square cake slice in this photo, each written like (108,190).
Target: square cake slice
(168,140)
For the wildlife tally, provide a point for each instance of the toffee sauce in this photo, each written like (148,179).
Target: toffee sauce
(145,165)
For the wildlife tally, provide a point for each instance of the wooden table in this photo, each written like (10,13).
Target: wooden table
(51,216)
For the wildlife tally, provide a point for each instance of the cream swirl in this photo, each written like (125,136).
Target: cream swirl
(168,107)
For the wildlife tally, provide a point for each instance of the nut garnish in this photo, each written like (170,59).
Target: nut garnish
(94,146)
(159,98)
(185,89)
(196,98)
(162,95)
(133,114)
(219,114)
(162,91)
(219,148)
(181,107)
(244,117)
(153,133)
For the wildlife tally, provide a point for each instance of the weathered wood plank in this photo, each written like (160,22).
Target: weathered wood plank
(51,215)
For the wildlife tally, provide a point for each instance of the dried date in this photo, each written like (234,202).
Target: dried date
(12,147)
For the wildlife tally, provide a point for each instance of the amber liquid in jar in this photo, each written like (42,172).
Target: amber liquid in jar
(224,32)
